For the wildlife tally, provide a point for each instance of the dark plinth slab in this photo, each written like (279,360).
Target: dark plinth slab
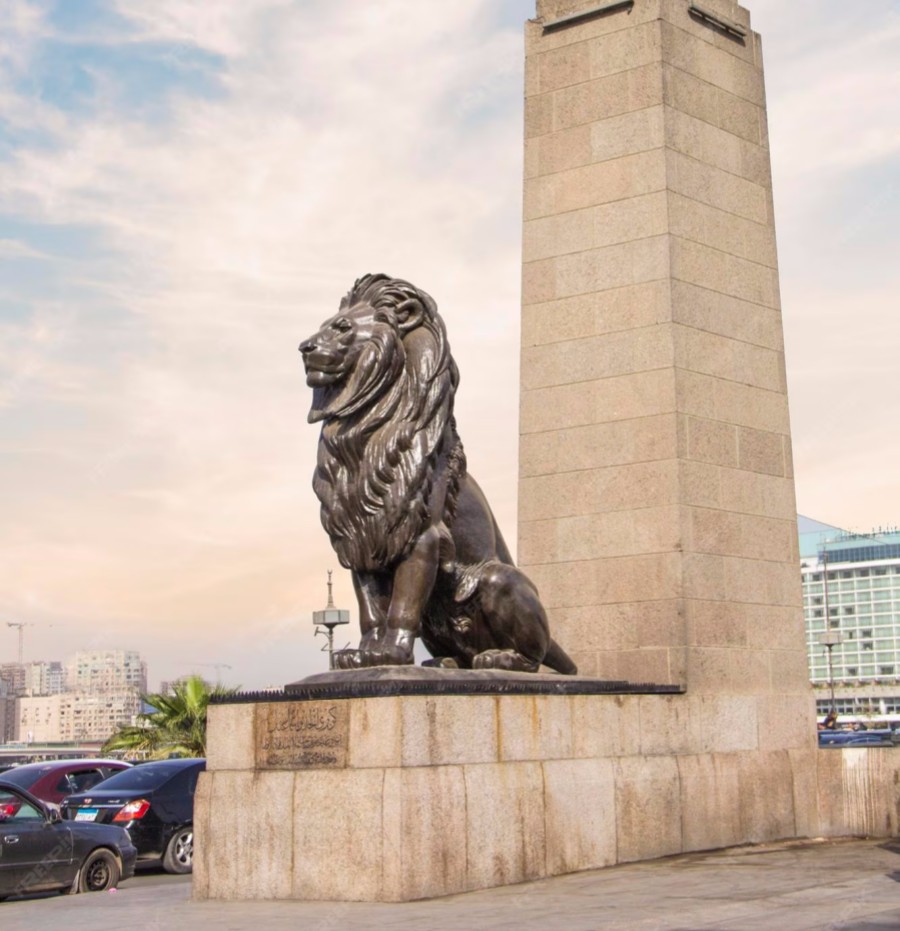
(380,681)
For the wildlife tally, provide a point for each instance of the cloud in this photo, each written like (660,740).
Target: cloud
(226,27)
(834,90)
(20,25)
(834,112)
(209,197)
(228,226)
(13,249)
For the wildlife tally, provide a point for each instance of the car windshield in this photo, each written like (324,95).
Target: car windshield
(145,776)
(23,778)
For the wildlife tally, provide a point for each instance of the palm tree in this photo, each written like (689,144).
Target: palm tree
(175,725)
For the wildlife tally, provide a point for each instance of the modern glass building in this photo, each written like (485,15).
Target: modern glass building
(851,597)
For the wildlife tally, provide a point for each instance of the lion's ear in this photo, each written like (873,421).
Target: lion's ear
(409,314)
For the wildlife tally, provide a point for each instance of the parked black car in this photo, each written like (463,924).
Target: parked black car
(39,851)
(154,802)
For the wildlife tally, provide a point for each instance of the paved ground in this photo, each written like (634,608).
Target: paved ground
(849,885)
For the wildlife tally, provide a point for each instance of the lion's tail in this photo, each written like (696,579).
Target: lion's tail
(557,658)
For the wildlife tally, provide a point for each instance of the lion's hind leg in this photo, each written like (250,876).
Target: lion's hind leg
(514,621)
(509,660)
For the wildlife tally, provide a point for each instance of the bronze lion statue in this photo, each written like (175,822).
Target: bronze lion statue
(413,527)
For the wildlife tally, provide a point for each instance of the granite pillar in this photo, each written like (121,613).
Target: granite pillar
(656,503)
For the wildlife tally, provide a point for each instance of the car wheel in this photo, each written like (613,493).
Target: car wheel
(99,872)
(179,857)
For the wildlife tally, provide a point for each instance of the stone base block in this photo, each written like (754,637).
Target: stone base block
(410,797)
(859,791)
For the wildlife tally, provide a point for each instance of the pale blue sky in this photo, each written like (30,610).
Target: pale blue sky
(186,189)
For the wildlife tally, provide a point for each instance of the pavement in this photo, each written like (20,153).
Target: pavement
(850,884)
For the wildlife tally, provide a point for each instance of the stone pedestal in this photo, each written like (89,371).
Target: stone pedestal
(407,797)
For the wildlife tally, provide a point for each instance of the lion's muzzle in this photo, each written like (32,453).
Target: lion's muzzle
(323,366)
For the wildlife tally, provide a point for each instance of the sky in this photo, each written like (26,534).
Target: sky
(187,188)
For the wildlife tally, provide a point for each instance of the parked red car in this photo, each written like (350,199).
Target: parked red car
(54,780)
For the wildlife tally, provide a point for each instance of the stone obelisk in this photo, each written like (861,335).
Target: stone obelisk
(657,512)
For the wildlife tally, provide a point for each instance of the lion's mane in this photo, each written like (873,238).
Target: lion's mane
(392,444)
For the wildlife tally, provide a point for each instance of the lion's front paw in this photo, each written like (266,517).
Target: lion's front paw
(347,659)
(383,657)
(395,648)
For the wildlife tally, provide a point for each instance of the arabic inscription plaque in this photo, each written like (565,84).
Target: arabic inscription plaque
(303,735)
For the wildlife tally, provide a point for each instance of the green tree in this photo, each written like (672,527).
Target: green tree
(176,725)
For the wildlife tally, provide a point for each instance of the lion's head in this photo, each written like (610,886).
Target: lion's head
(383,383)
(361,351)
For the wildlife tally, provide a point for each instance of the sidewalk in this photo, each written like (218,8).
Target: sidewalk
(848,885)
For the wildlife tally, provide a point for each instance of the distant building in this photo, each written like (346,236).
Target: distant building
(7,714)
(88,699)
(106,670)
(39,719)
(167,685)
(75,716)
(43,678)
(46,678)
(34,678)
(851,589)
(98,715)
(95,694)
(12,675)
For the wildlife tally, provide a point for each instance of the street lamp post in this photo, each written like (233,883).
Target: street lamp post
(330,618)
(830,639)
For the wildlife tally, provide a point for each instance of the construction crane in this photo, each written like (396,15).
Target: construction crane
(218,668)
(21,625)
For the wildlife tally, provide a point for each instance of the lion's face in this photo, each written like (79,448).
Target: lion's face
(332,353)
(353,357)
